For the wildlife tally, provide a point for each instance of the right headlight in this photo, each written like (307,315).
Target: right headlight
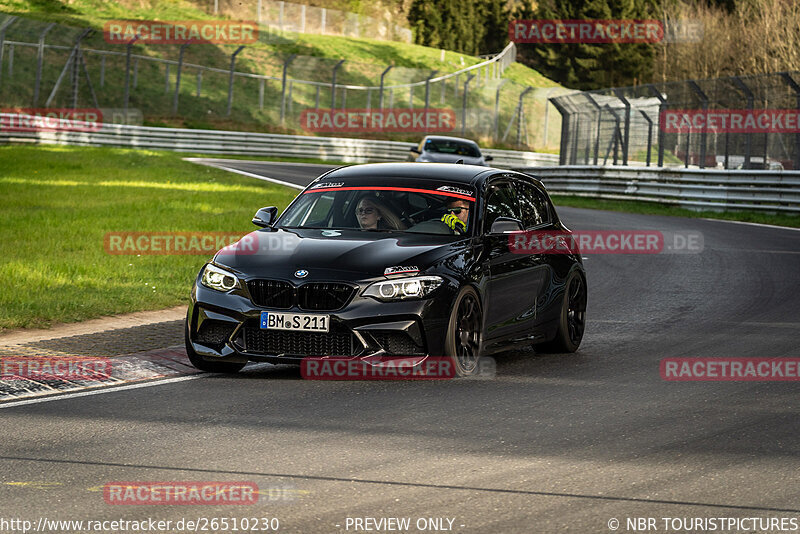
(413,287)
(220,279)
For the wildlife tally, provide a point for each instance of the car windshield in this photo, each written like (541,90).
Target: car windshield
(434,209)
(450,146)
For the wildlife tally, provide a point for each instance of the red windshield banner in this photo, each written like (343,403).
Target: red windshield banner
(446,191)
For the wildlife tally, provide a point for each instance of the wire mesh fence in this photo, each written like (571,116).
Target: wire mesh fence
(740,122)
(287,17)
(206,86)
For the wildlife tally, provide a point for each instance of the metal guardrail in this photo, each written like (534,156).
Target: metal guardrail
(697,189)
(248,144)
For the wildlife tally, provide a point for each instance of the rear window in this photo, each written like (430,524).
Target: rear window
(458,148)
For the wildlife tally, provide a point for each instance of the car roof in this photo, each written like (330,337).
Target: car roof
(448,138)
(451,172)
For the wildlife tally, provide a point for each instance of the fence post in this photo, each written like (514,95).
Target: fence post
(199,82)
(464,104)
(750,105)
(497,109)
(796,88)
(547,113)
(322,24)
(625,140)
(599,111)
(261,83)
(649,133)
(283,86)
(562,152)
(39,61)
(333,83)
(383,75)
(662,107)
(178,77)
(258,12)
(10,61)
(302,18)
(230,80)
(427,96)
(126,96)
(3,27)
(703,134)
(76,60)
(521,109)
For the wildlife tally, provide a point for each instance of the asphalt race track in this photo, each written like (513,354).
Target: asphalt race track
(556,443)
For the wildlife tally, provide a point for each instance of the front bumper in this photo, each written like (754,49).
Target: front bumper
(226,327)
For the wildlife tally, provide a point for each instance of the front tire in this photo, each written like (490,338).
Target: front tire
(203,365)
(572,319)
(463,345)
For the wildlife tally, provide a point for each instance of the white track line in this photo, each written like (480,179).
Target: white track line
(99,391)
(250,174)
(754,224)
(294,163)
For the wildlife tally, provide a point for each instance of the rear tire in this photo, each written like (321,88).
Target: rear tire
(463,343)
(203,365)
(572,320)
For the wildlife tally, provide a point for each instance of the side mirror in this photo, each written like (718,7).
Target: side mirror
(265,216)
(415,150)
(487,157)
(504,225)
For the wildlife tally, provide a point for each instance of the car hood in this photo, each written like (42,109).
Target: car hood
(333,254)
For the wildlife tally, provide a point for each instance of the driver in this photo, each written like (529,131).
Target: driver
(457,216)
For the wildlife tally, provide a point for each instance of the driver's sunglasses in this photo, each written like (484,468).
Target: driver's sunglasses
(456,211)
(365,211)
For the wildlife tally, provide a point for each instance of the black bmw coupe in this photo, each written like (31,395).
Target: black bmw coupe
(387,260)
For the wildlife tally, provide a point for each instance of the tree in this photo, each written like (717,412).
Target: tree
(588,65)
(468,26)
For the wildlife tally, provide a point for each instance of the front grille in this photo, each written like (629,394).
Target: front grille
(313,296)
(214,333)
(288,343)
(324,296)
(398,343)
(272,293)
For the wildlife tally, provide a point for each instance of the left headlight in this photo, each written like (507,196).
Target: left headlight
(220,279)
(413,287)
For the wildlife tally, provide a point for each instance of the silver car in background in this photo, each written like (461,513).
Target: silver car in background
(441,149)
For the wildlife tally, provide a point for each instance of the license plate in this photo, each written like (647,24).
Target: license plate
(302,322)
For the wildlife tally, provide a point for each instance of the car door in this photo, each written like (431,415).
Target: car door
(510,294)
(536,217)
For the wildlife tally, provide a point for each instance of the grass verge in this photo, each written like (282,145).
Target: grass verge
(58,204)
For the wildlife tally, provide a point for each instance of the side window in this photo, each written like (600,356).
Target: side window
(500,202)
(533,205)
